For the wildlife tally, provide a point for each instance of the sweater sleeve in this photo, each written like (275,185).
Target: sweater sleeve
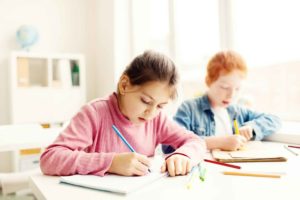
(183,118)
(183,141)
(69,153)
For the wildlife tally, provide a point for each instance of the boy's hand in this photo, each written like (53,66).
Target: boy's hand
(177,165)
(233,142)
(129,164)
(246,131)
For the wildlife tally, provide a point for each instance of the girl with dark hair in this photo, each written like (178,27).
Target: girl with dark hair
(89,144)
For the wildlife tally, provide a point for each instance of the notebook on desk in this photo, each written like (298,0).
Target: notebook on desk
(254,151)
(114,183)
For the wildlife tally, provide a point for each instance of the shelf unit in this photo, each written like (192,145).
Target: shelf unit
(45,88)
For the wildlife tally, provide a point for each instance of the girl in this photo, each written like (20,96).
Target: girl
(89,145)
(211,116)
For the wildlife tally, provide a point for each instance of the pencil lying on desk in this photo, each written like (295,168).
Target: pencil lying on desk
(293,146)
(191,178)
(256,174)
(224,164)
(290,150)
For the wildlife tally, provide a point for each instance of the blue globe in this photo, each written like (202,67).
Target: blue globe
(27,36)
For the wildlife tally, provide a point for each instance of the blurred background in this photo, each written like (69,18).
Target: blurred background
(56,55)
(110,33)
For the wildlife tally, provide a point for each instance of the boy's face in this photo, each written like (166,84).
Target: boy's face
(142,103)
(225,89)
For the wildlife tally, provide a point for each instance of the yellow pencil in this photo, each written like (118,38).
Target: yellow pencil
(236,127)
(252,174)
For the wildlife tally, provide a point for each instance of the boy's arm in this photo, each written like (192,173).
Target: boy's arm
(226,142)
(262,124)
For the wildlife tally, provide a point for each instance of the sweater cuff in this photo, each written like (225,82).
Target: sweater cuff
(168,156)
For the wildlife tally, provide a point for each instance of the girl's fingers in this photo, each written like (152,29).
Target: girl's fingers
(171,167)
(184,167)
(188,166)
(143,159)
(178,166)
(164,167)
(141,167)
(137,172)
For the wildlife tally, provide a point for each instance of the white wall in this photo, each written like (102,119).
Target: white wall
(73,26)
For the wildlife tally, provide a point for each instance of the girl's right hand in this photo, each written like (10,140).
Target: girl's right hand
(233,142)
(129,164)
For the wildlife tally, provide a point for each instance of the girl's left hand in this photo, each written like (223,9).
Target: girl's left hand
(246,131)
(177,165)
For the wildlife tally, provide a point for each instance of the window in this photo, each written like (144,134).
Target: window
(266,34)
(196,30)
(150,26)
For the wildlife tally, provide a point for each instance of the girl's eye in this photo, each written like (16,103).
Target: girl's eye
(224,87)
(160,106)
(145,101)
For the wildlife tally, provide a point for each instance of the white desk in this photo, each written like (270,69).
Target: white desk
(15,137)
(216,186)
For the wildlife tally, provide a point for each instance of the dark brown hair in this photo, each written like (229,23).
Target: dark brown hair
(223,63)
(152,66)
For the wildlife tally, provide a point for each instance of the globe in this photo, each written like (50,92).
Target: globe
(27,36)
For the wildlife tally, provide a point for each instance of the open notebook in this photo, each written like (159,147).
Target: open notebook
(254,151)
(116,183)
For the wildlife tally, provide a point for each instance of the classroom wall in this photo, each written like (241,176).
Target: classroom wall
(72,26)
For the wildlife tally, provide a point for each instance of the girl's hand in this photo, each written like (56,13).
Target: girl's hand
(246,131)
(233,142)
(129,164)
(177,165)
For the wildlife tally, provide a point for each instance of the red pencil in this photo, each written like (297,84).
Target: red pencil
(292,146)
(224,164)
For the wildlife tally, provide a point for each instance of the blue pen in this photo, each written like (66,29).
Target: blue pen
(124,140)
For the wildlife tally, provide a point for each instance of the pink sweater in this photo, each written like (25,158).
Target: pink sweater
(88,144)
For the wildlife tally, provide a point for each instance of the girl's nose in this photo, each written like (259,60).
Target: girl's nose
(230,93)
(148,112)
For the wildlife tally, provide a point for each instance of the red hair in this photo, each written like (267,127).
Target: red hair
(223,63)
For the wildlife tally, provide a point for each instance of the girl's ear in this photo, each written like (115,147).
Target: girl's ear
(123,84)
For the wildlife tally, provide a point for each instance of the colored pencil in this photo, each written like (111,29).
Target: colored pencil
(256,174)
(290,150)
(124,140)
(293,146)
(224,164)
(191,178)
(236,127)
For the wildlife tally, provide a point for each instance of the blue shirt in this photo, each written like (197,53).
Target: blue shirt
(196,115)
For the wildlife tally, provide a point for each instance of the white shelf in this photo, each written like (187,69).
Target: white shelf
(42,90)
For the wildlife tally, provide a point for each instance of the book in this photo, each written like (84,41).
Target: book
(114,183)
(254,151)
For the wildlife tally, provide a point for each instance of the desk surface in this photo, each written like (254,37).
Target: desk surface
(216,185)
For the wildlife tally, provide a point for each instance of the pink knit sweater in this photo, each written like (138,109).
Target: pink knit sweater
(88,144)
